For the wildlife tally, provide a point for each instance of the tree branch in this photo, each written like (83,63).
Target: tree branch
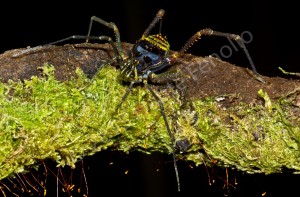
(65,113)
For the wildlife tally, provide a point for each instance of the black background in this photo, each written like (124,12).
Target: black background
(275,43)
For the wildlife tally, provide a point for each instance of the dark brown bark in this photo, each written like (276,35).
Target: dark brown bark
(208,76)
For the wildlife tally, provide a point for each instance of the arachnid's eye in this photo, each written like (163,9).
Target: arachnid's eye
(147,59)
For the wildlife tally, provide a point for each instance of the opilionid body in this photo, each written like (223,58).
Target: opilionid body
(149,61)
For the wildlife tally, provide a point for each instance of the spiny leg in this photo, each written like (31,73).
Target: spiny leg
(289,73)
(178,78)
(187,102)
(162,110)
(127,93)
(210,32)
(74,37)
(183,145)
(81,37)
(109,25)
(100,38)
(157,18)
(165,120)
(30,50)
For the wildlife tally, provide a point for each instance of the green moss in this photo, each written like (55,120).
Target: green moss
(43,118)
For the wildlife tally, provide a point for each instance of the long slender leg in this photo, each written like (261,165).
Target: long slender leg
(101,38)
(81,37)
(289,73)
(162,110)
(210,32)
(113,26)
(187,102)
(127,93)
(109,25)
(165,120)
(74,37)
(157,18)
(178,78)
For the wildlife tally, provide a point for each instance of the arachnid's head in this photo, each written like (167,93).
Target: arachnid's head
(150,52)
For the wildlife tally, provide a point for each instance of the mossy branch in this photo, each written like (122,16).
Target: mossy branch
(67,112)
